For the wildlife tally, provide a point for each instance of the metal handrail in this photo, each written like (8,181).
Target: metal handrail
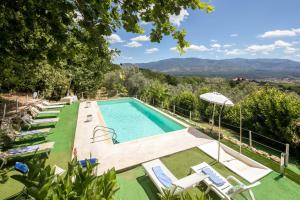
(108,129)
(99,126)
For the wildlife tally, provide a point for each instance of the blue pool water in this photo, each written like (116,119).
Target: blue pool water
(132,119)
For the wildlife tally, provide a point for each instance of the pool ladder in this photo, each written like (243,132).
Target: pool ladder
(106,130)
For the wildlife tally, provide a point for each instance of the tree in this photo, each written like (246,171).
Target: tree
(205,108)
(187,101)
(114,82)
(156,92)
(171,80)
(271,112)
(71,37)
(136,82)
(180,88)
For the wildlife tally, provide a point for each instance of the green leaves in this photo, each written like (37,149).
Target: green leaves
(156,92)
(69,38)
(77,183)
(181,43)
(186,100)
(170,195)
(3,171)
(271,112)
(39,181)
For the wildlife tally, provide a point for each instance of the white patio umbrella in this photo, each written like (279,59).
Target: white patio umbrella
(217,99)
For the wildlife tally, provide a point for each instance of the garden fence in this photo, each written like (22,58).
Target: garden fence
(262,144)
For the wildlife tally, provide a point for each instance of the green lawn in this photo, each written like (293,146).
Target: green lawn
(294,165)
(62,135)
(135,185)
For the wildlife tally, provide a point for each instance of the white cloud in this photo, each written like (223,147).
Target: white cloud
(114,38)
(280,33)
(227,45)
(141,38)
(192,47)
(126,57)
(264,49)
(290,50)
(151,50)
(177,19)
(268,48)
(234,35)
(216,45)
(234,52)
(282,44)
(214,41)
(133,44)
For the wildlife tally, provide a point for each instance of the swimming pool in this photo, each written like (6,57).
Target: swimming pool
(132,119)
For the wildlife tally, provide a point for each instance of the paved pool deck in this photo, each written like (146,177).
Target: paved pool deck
(128,154)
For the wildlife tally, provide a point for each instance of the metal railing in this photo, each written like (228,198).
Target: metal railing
(106,130)
(249,138)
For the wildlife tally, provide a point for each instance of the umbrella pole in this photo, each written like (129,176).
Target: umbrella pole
(241,131)
(219,139)
(213,118)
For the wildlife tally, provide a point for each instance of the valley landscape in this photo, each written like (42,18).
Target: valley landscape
(261,69)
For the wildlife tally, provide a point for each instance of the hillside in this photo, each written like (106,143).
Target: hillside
(250,68)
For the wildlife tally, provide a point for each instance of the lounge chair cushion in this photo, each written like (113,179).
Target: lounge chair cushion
(21,167)
(45,120)
(23,150)
(49,112)
(162,177)
(32,132)
(83,163)
(213,177)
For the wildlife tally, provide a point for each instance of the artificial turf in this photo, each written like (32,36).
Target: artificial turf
(135,185)
(63,136)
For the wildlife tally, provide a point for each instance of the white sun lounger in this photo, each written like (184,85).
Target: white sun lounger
(32,133)
(42,107)
(29,121)
(180,184)
(28,150)
(35,111)
(47,103)
(44,121)
(227,190)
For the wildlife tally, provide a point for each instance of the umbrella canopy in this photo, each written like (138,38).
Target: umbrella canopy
(216,98)
(220,99)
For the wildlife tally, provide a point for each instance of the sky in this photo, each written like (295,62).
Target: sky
(236,29)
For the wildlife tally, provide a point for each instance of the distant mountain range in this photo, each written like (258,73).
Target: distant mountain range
(249,68)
